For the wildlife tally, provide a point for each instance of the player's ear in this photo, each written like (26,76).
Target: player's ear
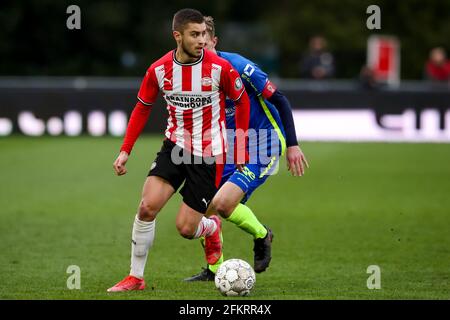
(176,35)
(215,41)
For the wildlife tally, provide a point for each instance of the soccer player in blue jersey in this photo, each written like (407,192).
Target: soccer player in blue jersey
(273,135)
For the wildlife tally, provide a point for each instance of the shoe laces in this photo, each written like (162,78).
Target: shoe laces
(127,280)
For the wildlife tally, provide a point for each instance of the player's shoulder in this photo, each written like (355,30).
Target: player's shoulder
(161,61)
(214,58)
(233,57)
(238,61)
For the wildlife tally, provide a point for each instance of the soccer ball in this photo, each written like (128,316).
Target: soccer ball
(235,277)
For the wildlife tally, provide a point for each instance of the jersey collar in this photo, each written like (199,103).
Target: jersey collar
(187,64)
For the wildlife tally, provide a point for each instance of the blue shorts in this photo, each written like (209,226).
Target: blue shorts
(251,177)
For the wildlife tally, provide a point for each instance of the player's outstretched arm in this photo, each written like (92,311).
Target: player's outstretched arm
(259,81)
(296,160)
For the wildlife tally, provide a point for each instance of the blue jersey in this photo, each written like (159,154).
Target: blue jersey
(263,115)
(266,132)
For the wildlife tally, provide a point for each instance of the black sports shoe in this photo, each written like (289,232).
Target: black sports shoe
(205,275)
(263,252)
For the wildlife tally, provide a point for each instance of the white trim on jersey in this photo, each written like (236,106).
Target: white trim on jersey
(239,96)
(144,103)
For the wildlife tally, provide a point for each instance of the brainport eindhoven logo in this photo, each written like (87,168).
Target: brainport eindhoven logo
(188,101)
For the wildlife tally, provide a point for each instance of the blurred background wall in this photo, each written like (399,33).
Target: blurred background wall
(59,81)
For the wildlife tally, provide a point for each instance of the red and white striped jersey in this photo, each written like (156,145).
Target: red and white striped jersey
(195,94)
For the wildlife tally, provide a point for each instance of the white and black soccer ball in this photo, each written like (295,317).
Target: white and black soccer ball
(235,277)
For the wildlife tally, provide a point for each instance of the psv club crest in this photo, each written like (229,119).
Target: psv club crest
(206,81)
(238,84)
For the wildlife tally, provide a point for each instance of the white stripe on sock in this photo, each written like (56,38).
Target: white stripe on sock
(205,228)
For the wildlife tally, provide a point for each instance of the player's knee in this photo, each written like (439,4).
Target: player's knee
(147,211)
(222,206)
(186,231)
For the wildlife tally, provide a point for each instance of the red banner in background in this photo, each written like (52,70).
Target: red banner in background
(383,58)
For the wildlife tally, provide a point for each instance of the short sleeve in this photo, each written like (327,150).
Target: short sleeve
(257,79)
(254,76)
(232,82)
(149,88)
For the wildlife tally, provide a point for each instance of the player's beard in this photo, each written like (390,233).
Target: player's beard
(189,53)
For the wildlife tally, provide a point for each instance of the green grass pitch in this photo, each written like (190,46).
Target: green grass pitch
(358,205)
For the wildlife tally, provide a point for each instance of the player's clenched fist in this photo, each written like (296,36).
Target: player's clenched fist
(119,164)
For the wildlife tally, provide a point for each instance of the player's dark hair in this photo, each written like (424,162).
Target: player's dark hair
(185,16)
(210,28)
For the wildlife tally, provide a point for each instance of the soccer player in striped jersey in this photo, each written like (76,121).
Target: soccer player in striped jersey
(194,83)
(270,111)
